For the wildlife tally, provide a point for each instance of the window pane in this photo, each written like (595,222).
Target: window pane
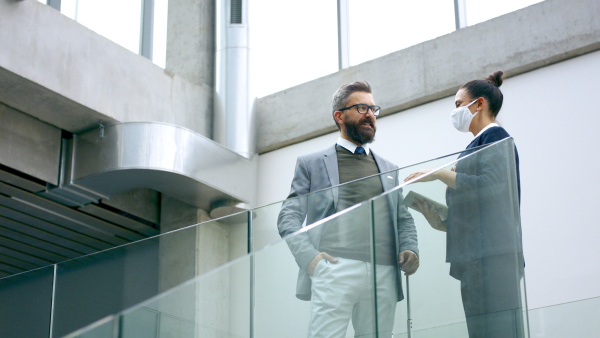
(482,10)
(380,27)
(291,42)
(117,20)
(159,44)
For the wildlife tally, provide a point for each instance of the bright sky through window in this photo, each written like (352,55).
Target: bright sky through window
(292,42)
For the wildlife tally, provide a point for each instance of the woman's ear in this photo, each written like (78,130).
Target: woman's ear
(481,103)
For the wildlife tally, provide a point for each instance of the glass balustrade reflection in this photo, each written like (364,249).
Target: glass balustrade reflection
(105,328)
(252,296)
(268,304)
(81,291)
(216,304)
(480,238)
(94,286)
(266,293)
(320,298)
(26,295)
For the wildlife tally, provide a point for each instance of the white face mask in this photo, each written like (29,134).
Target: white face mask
(462,117)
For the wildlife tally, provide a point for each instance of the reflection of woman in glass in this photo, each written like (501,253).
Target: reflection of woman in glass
(483,240)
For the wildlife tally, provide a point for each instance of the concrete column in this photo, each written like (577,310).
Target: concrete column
(141,202)
(191,40)
(191,252)
(188,251)
(179,250)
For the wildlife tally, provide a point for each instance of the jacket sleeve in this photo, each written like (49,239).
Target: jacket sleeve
(407,232)
(293,214)
(491,168)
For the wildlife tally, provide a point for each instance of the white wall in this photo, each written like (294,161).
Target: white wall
(553,116)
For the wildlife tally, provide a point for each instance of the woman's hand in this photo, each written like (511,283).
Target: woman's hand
(448,177)
(431,213)
(416,174)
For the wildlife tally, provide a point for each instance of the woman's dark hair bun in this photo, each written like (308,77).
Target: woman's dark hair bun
(487,88)
(495,78)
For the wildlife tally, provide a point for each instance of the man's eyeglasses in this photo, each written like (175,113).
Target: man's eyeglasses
(363,109)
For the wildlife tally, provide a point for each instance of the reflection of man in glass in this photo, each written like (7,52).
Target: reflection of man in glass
(335,258)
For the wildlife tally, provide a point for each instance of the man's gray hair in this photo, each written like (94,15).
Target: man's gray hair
(340,98)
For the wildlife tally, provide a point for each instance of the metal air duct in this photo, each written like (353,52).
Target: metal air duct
(174,160)
(234,125)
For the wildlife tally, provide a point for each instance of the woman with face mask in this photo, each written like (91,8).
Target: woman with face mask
(480,227)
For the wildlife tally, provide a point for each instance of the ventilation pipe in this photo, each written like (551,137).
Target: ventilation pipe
(110,160)
(234,125)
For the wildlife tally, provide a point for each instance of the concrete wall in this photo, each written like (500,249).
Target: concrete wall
(22,134)
(538,35)
(69,76)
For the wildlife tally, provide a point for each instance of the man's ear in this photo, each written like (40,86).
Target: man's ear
(338,116)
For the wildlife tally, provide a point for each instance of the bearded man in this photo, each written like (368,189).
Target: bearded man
(335,256)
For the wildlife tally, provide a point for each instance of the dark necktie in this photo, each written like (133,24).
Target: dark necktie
(359,150)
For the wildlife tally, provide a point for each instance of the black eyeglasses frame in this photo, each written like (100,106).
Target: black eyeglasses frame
(375,109)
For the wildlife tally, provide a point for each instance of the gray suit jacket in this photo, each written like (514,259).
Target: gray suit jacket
(311,199)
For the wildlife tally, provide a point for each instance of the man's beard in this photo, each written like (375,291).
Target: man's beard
(358,133)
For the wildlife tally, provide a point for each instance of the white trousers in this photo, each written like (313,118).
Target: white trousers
(343,291)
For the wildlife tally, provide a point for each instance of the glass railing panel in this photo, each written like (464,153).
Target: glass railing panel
(145,322)
(482,242)
(547,322)
(94,286)
(293,299)
(152,321)
(252,296)
(342,229)
(346,231)
(323,203)
(98,285)
(257,295)
(452,330)
(107,327)
(264,226)
(25,296)
(574,319)
(441,302)
(219,301)
(396,235)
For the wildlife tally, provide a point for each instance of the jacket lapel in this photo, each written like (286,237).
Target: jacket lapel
(388,180)
(331,165)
